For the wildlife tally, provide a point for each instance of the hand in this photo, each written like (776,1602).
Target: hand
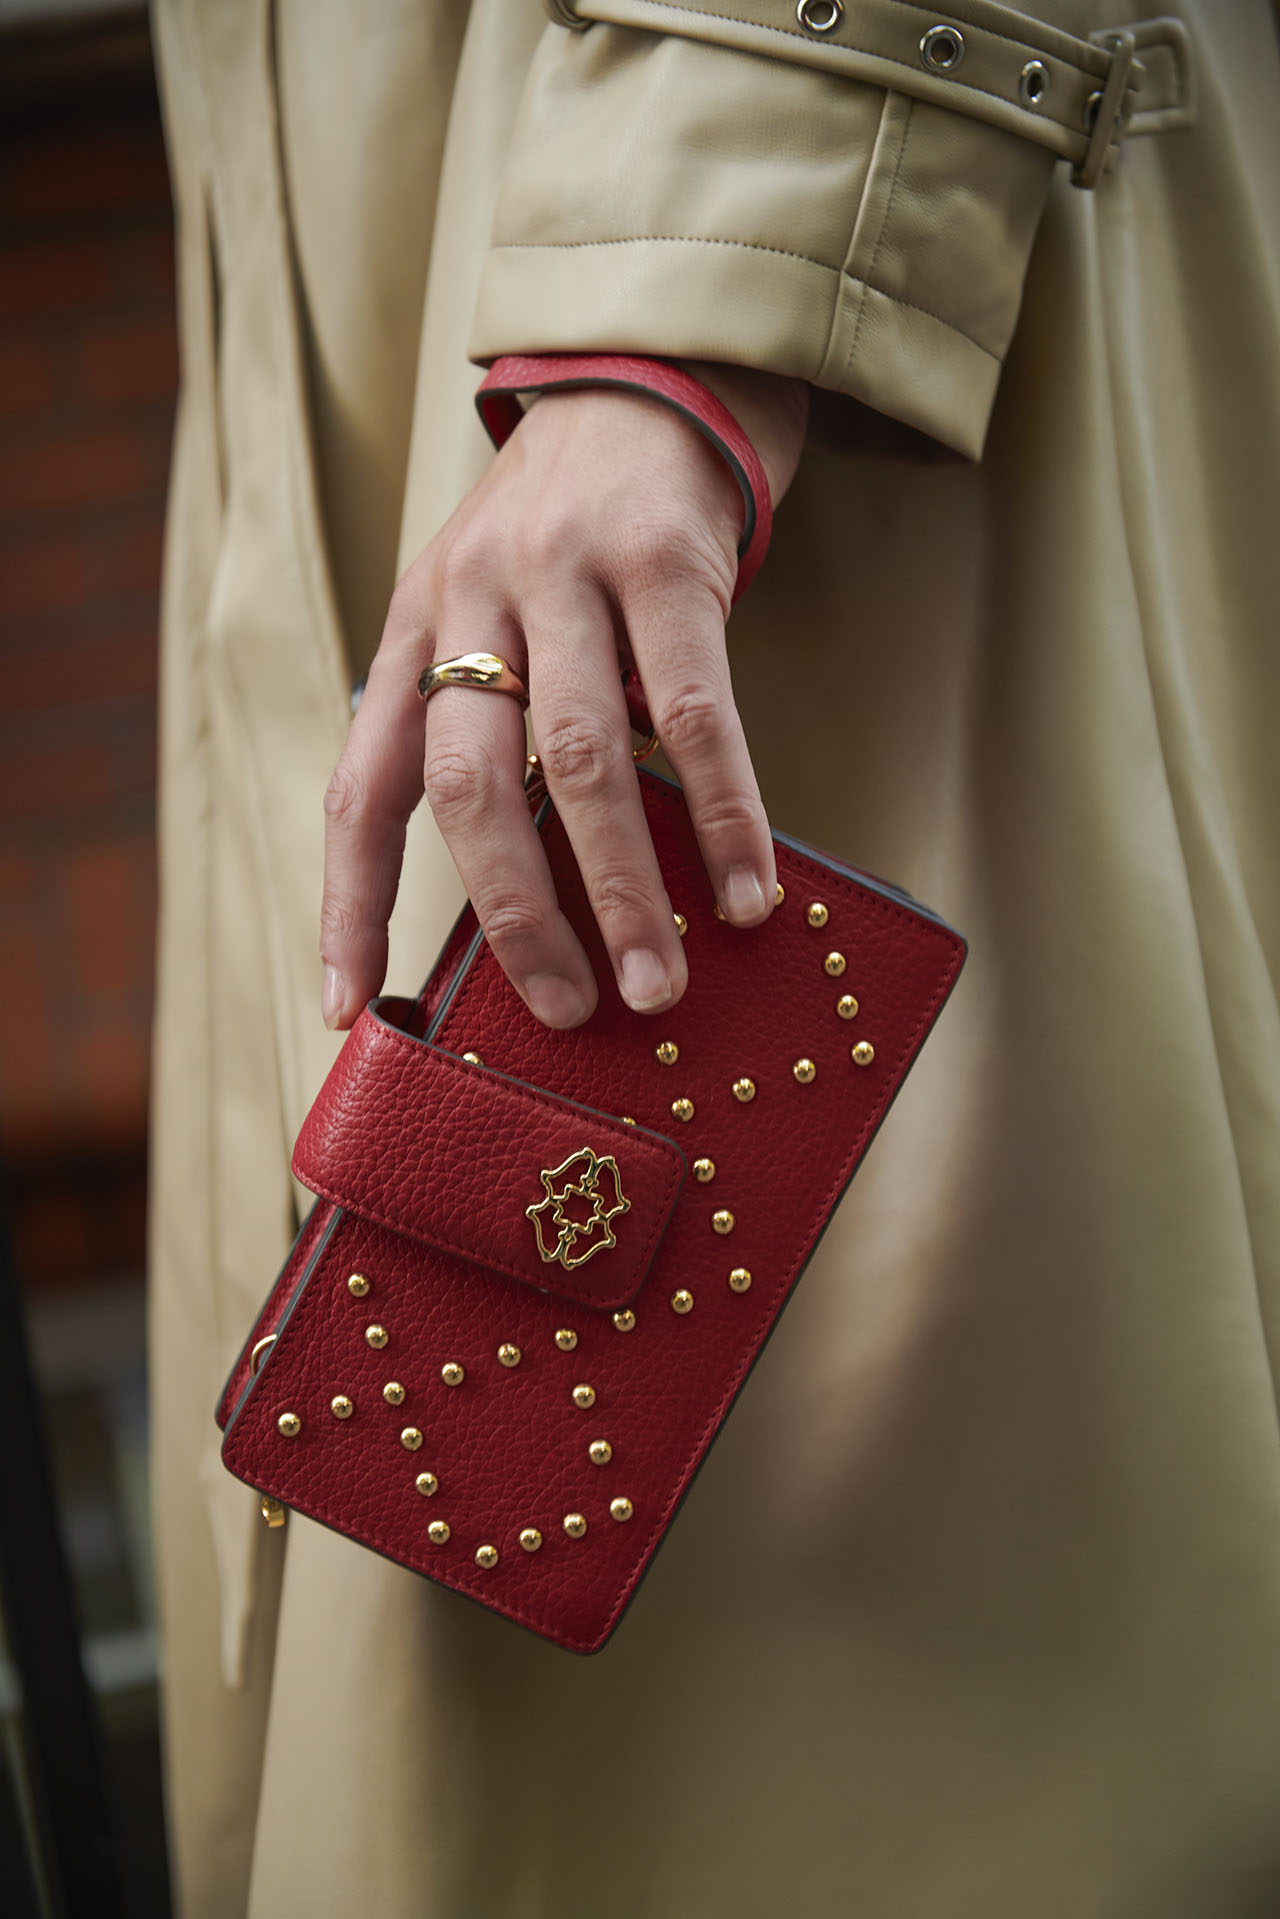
(604,534)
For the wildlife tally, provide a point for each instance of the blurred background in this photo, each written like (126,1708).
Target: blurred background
(88,376)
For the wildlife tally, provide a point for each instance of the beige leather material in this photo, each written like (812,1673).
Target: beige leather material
(1167,99)
(888,43)
(884,261)
(974,1611)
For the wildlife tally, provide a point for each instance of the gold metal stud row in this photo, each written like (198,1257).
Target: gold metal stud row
(487,1556)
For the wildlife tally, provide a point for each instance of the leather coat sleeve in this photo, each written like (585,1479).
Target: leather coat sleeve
(673,195)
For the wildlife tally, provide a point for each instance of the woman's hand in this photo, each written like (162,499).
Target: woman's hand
(604,534)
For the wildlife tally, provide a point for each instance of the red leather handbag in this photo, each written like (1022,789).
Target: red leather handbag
(541,1264)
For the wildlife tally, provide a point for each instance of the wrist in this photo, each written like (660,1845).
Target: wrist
(771,408)
(513,377)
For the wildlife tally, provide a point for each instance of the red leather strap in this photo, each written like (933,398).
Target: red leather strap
(453,1155)
(499,407)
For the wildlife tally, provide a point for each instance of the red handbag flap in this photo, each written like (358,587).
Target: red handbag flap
(474,1163)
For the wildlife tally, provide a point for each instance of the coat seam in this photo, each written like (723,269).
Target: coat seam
(867,281)
(748,246)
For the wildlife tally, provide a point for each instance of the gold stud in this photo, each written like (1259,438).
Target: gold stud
(575,1525)
(566,1339)
(411,1439)
(473,1059)
(357,1285)
(834,964)
(682,1109)
(438,1532)
(666,1052)
(682,924)
(452,1374)
(704,1170)
(805,1071)
(289,1425)
(509,1355)
(272,1511)
(817,914)
(599,1452)
(428,1485)
(682,1300)
(531,1539)
(584,1397)
(722,1221)
(620,1509)
(863,1053)
(740,1279)
(340,1406)
(486,1557)
(779,893)
(847,1006)
(718,910)
(627,1120)
(625,1320)
(393,1393)
(377,1337)
(744,1090)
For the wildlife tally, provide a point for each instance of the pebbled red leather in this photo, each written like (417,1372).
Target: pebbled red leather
(499,407)
(509,1452)
(451,1154)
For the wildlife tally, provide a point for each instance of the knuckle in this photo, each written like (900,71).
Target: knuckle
(457,782)
(621,896)
(345,796)
(405,604)
(511,921)
(664,551)
(651,546)
(340,923)
(545,541)
(459,565)
(690,718)
(579,753)
(729,816)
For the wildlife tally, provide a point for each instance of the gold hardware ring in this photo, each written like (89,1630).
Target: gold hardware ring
(483,670)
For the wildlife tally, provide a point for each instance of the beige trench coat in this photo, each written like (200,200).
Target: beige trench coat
(974,1612)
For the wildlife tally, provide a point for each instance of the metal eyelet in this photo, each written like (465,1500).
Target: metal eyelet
(942,49)
(1033,84)
(820,16)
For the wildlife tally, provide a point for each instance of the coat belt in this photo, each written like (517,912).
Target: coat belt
(1079,98)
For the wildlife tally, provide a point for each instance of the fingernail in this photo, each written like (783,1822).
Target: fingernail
(744,901)
(555,1000)
(332,995)
(646,982)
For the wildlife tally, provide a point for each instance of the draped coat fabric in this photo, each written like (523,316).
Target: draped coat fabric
(975,1609)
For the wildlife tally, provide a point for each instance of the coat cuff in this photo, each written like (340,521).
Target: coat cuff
(671,197)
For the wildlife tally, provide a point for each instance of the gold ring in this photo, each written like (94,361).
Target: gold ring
(484,670)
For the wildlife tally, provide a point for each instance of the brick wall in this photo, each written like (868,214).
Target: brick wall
(87,383)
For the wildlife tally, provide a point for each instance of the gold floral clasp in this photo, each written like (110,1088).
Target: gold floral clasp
(583,1197)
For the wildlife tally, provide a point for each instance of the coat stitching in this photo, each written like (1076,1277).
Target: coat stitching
(748,246)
